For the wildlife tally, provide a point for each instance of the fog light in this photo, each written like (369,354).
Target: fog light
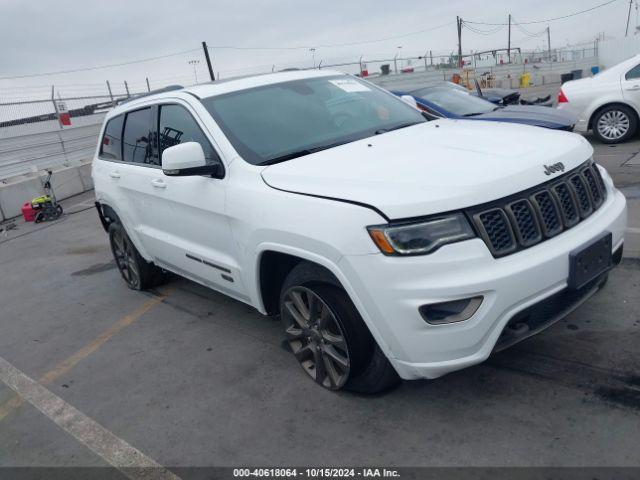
(450,312)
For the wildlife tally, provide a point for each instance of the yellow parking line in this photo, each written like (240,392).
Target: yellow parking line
(67,364)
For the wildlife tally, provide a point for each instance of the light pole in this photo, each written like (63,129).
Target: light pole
(313,56)
(194,63)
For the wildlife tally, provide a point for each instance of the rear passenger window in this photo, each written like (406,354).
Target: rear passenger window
(178,126)
(633,73)
(112,140)
(137,139)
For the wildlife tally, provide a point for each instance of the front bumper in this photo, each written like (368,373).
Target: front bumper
(389,290)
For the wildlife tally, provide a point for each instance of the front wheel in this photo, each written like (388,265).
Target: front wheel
(614,124)
(137,273)
(328,337)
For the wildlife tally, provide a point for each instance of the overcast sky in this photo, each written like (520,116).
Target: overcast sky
(39,36)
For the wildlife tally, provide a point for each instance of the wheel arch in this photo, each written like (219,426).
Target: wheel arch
(274,265)
(269,284)
(108,215)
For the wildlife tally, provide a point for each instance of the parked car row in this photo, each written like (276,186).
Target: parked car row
(441,101)
(607,104)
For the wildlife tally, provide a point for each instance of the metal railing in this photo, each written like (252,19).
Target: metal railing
(42,133)
(54,129)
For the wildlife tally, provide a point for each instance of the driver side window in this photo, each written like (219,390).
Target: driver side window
(178,126)
(633,73)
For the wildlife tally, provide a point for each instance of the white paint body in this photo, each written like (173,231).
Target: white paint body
(291,207)
(587,95)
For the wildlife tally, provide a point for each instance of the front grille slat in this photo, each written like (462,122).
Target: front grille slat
(594,187)
(526,226)
(528,218)
(568,204)
(582,194)
(548,212)
(496,231)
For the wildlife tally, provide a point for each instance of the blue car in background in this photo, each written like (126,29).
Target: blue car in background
(446,102)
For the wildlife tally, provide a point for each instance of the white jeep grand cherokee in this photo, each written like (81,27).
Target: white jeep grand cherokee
(390,246)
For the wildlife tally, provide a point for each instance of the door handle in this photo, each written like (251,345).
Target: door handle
(157,183)
(114,174)
(635,87)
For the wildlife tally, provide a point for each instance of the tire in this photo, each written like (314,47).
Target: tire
(321,342)
(137,273)
(614,124)
(40,217)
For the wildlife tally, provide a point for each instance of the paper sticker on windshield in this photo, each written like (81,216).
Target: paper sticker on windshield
(350,85)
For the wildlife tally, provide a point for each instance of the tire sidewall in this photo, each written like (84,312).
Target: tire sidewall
(633,124)
(117,229)
(360,343)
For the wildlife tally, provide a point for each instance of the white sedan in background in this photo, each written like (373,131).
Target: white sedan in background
(608,103)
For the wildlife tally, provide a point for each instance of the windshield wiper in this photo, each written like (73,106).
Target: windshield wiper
(302,152)
(397,127)
(472,114)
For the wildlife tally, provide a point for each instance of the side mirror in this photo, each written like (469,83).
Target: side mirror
(410,100)
(187,159)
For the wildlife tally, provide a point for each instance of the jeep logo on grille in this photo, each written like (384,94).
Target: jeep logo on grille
(556,167)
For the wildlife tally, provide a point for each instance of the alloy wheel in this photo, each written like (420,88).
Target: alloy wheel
(315,337)
(125,259)
(613,124)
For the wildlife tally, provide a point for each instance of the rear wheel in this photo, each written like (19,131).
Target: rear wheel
(328,337)
(614,124)
(137,273)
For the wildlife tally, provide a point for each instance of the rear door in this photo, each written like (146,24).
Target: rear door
(137,170)
(186,227)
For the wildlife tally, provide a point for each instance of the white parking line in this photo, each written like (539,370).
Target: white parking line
(115,451)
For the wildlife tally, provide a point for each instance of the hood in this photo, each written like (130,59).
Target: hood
(432,167)
(531,115)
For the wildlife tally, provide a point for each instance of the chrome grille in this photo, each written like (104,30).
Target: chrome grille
(528,218)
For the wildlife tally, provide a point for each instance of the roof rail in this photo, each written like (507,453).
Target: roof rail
(170,88)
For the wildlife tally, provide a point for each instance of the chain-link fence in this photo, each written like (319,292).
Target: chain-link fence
(45,128)
(44,132)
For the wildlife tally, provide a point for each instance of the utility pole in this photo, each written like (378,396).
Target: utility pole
(206,56)
(509,42)
(431,57)
(459,22)
(628,17)
(549,43)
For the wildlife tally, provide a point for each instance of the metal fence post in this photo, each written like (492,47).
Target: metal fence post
(109,88)
(55,107)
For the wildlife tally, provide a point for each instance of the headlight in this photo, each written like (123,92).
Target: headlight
(421,237)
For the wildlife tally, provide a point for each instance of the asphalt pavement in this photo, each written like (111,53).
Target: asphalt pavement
(184,376)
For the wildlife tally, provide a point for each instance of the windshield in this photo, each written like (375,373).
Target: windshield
(455,101)
(281,121)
